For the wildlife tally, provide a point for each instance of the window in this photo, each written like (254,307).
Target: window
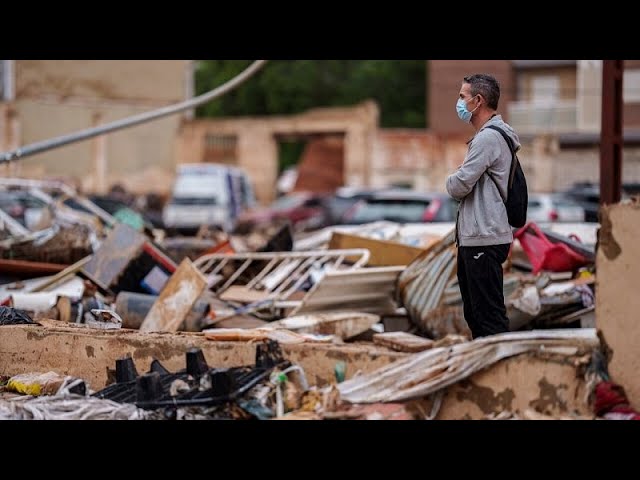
(545,88)
(6,80)
(220,148)
(631,85)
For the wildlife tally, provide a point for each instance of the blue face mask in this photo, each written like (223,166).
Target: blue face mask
(464,114)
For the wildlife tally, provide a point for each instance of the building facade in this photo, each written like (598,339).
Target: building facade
(554,105)
(42,99)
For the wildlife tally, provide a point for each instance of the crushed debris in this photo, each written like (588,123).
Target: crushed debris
(427,372)
(68,407)
(12,316)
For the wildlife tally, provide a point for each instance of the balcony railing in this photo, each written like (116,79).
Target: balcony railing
(557,117)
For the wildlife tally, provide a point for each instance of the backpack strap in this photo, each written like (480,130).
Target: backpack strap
(514,159)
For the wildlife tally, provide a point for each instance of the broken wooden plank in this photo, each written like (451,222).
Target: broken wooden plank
(243,294)
(114,255)
(176,299)
(341,324)
(403,341)
(384,253)
(60,276)
(257,334)
(29,269)
(241,321)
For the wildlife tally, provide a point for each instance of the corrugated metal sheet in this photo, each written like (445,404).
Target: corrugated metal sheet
(427,289)
(427,372)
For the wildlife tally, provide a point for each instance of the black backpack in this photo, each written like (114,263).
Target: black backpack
(517,195)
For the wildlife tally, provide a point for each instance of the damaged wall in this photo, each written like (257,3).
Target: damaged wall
(77,94)
(90,353)
(525,382)
(617,299)
(256,146)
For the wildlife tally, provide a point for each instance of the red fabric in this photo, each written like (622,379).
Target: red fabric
(611,402)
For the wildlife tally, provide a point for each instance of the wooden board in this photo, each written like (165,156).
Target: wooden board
(114,255)
(343,325)
(402,341)
(28,269)
(176,299)
(383,253)
(241,294)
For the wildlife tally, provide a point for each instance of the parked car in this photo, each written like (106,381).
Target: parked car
(345,198)
(23,207)
(305,211)
(207,194)
(403,206)
(551,207)
(587,194)
(118,209)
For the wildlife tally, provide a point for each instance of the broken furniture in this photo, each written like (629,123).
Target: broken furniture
(276,278)
(546,255)
(128,261)
(176,299)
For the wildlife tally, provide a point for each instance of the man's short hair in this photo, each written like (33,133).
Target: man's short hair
(485,85)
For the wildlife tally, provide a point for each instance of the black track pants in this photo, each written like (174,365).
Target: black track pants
(481,284)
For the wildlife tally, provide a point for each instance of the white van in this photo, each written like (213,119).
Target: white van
(207,194)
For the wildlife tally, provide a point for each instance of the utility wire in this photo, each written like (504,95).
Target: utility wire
(63,140)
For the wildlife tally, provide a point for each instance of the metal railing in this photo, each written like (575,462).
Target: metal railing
(284,272)
(552,117)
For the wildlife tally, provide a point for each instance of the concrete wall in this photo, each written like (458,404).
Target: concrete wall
(526,382)
(415,157)
(257,148)
(132,156)
(154,82)
(552,168)
(56,97)
(91,353)
(617,299)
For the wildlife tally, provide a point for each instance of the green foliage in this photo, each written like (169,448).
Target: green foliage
(289,153)
(293,86)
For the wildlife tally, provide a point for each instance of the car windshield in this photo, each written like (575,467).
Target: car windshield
(394,210)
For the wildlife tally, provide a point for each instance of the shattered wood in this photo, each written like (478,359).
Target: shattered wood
(176,299)
(121,246)
(403,341)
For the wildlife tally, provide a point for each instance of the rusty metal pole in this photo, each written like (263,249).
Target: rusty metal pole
(611,141)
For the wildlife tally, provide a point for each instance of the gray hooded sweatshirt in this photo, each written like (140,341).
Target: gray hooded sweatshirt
(482,215)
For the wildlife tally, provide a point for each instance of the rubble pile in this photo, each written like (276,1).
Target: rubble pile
(385,287)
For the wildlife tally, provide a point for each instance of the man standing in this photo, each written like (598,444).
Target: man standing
(483,233)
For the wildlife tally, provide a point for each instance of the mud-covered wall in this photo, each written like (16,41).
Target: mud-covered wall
(617,297)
